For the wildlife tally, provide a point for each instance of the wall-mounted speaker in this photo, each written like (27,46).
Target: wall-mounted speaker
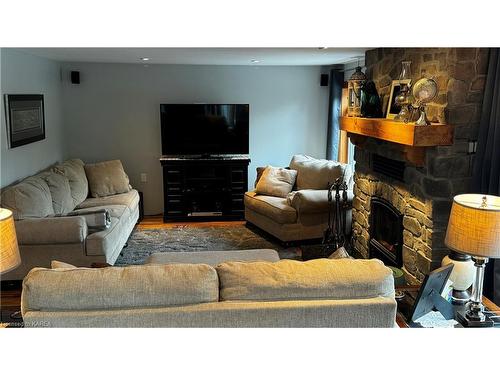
(323,80)
(75,77)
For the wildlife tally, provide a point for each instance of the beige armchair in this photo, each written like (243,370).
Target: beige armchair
(303,214)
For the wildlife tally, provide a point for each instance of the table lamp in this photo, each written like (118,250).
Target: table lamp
(9,251)
(474,229)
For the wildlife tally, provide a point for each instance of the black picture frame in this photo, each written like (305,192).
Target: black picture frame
(392,108)
(25,119)
(429,295)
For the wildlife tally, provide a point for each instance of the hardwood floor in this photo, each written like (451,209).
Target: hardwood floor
(156,222)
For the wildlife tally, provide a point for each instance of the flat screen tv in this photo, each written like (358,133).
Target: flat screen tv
(204,129)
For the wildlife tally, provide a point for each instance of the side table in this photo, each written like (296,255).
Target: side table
(405,305)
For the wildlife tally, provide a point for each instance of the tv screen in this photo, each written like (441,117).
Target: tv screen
(201,129)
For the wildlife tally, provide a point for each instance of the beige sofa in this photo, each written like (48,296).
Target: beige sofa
(303,215)
(43,236)
(286,293)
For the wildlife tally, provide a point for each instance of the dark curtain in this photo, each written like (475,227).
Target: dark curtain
(334,108)
(486,171)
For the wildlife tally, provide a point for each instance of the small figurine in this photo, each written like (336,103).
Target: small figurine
(370,101)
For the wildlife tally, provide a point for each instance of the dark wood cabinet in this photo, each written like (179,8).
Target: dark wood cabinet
(204,189)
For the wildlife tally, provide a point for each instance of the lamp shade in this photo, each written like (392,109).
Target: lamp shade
(9,251)
(474,225)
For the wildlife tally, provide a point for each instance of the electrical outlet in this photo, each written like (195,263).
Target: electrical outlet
(144,177)
(472,147)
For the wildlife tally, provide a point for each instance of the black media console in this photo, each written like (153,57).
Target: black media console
(198,188)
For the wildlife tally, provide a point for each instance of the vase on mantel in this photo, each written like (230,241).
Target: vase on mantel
(403,99)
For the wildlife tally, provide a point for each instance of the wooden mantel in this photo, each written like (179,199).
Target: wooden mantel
(414,138)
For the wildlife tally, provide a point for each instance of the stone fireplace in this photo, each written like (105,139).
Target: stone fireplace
(391,191)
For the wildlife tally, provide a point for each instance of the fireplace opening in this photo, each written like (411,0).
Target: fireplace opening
(386,233)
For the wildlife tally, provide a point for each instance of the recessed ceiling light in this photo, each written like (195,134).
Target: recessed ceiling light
(144,58)
(255,61)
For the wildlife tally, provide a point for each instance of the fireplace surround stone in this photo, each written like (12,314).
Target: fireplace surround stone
(425,195)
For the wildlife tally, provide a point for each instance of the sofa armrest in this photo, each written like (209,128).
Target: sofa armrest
(51,230)
(310,201)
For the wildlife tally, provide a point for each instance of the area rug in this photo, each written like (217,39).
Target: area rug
(144,242)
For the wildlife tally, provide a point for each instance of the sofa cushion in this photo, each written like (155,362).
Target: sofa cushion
(277,182)
(314,279)
(74,172)
(316,173)
(107,178)
(28,199)
(130,199)
(309,201)
(60,191)
(119,287)
(274,208)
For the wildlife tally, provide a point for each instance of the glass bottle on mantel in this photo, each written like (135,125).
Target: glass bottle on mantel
(403,97)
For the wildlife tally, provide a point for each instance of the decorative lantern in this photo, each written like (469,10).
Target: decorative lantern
(354,86)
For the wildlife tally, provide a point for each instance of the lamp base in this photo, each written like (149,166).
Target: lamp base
(464,320)
(460,297)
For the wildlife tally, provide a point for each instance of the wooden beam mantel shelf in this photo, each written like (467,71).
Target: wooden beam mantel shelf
(414,138)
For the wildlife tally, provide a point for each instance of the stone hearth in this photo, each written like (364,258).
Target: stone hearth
(425,195)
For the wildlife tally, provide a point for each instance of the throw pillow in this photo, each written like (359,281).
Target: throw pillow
(277,182)
(340,253)
(316,174)
(259,170)
(57,264)
(107,178)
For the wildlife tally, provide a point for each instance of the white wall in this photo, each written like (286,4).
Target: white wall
(114,113)
(26,74)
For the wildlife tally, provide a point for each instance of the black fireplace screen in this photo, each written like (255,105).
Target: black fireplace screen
(386,232)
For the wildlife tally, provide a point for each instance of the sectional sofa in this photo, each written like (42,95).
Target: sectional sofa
(41,204)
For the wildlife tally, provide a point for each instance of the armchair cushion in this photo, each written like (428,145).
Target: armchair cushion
(277,182)
(274,208)
(51,230)
(316,173)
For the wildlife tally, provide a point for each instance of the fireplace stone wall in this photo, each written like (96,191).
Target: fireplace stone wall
(425,196)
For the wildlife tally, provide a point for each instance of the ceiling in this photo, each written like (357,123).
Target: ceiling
(204,56)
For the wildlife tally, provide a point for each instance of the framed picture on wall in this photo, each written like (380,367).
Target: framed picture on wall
(392,108)
(25,119)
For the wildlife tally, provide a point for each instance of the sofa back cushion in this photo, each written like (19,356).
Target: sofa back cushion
(314,279)
(276,182)
(28,199)
(316,173)
(60,191)
(74,172)
(107,178)
(119,287)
